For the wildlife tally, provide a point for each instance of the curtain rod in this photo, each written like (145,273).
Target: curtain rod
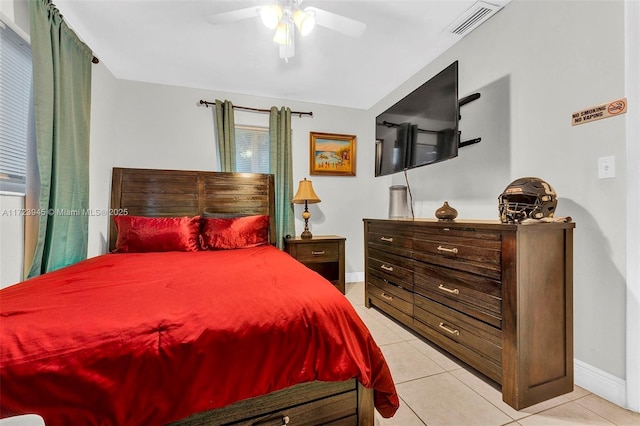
(298,113)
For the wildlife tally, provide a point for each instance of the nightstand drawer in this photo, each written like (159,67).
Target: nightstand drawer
(322,253)
(318,252)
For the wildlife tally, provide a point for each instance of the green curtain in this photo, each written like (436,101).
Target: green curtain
(62,97)
(280,164)
(225,123)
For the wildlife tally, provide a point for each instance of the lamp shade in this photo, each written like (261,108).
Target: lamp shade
(271,15)
(305,20)
(282,34)
(305,193)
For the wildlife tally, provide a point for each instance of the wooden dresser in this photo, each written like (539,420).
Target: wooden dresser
(497,296)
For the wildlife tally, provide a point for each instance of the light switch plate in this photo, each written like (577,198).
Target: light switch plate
(606,167)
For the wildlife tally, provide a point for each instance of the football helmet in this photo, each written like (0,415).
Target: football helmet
(527,198)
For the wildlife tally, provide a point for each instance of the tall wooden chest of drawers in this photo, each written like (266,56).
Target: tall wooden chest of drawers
(497,296)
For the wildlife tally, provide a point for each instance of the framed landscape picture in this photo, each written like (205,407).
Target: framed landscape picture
(332,154)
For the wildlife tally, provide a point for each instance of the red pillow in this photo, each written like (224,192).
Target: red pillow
(139,234)
(233,233)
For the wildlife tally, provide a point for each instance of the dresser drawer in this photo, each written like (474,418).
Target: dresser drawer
(471,294)
(471,251)
(395,296)
(454,231)
(318,252)
(395,269)
(476,335)
(390,237)
(478,361)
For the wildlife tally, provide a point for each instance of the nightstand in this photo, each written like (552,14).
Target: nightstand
(322,253)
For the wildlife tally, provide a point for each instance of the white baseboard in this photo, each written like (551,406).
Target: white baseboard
(601,383)
(354,277)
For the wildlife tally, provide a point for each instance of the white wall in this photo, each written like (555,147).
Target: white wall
(102,155)
(560,57)
(632,53)
(12,241)
(17,13)
(158,126)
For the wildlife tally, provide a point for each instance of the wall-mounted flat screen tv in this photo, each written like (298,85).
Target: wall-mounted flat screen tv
(421,128)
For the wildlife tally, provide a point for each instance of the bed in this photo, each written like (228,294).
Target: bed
(220,336)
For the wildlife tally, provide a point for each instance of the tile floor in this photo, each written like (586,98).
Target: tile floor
(436,389)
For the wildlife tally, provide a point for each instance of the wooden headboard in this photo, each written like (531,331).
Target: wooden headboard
(158,193)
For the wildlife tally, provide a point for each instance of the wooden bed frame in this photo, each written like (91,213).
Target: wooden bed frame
(158,193)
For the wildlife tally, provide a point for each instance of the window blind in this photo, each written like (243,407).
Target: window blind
(15,94)
(252,149)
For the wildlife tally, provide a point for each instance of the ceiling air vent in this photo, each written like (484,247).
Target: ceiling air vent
(473,17)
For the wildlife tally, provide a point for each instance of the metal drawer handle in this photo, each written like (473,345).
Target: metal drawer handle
(317,253)
(449,290)
(448,250)
(284,421)
(449,329)
(386,296)
(387,268)
(387,239)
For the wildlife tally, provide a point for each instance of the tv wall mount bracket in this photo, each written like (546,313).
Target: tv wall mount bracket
(472,97)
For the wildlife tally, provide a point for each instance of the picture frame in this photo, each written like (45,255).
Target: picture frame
(332,154)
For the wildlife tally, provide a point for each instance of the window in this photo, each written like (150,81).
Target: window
(15,103)
(252,149)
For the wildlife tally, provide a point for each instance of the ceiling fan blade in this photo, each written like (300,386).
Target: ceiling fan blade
(338,23)
(234,15)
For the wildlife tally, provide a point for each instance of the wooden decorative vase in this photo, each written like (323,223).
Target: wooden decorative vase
(446,212)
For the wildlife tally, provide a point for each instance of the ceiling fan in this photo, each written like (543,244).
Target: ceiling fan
(284,16)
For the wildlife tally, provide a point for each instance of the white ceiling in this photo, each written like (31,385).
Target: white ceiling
(171,42)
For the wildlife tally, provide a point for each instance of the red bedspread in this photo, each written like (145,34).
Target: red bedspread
(154,337)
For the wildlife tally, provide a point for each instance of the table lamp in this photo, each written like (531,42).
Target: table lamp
(305,195)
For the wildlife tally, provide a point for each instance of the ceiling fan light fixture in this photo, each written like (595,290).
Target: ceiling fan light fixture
(287,51)
(271,15)
(282,35)
(305,20)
